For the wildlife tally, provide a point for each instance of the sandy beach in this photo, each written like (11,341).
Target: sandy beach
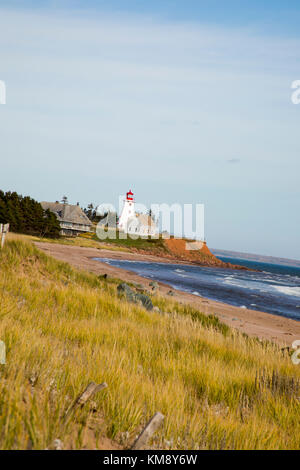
(252,322)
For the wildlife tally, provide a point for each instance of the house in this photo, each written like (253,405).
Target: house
(132,222)
(71,218)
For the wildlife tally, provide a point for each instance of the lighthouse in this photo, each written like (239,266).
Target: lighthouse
(127,212)
(136,223)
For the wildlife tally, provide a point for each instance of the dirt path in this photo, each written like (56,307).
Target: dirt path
(252,322)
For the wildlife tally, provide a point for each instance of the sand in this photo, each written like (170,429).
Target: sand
(254,323)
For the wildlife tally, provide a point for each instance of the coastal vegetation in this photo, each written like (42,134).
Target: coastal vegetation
(117,238)
(25,215)
(63,328)
(172,249)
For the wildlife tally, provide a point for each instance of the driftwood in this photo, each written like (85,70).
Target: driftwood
(88,392)
(148,431)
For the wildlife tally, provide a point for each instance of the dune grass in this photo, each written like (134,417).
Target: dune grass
(113,242)
(64,328)
(87,240)
(130,241)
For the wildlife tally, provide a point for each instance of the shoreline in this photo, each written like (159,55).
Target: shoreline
(254,323)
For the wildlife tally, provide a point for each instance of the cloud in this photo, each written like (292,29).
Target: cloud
(98,102)
(110,84)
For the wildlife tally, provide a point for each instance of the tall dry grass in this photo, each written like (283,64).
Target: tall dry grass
(86,240)
(64,328)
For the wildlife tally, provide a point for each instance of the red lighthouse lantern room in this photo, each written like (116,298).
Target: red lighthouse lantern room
(129,195)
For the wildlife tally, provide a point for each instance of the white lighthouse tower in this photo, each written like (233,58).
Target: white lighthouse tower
(128,212)
(136,224)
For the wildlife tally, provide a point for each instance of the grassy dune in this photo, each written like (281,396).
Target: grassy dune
(64,328)
(90,240)
(87,240)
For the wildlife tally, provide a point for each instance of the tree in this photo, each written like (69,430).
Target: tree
(25,215)
(51,226)
(89,211)
(64,200)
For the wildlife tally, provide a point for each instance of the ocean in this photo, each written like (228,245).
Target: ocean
(275,288)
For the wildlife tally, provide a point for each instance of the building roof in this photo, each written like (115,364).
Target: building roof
(67,212)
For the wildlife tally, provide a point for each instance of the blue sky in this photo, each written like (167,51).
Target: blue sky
(183,101)
(272,14)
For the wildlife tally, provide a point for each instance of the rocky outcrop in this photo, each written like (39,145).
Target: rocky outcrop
(135,297)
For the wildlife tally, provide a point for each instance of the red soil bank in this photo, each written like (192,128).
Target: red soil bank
(196,253)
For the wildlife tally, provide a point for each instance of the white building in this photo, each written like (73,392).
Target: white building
(133,223)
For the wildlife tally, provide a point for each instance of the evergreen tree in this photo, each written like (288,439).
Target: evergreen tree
(89,211)
(25,215)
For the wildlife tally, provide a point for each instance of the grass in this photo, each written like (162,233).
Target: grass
(87,240)
(114,237)
(64,328)
(90,240)
(115,242)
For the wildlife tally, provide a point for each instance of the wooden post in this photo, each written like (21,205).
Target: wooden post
(2,353)
(4,228)
(148,431)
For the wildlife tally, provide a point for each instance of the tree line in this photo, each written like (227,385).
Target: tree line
(25,215)
(91,212)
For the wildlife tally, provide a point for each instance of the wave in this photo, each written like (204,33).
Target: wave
(264,286)
(244,284)
(294,291)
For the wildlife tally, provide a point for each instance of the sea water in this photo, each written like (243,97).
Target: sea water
(274,288)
